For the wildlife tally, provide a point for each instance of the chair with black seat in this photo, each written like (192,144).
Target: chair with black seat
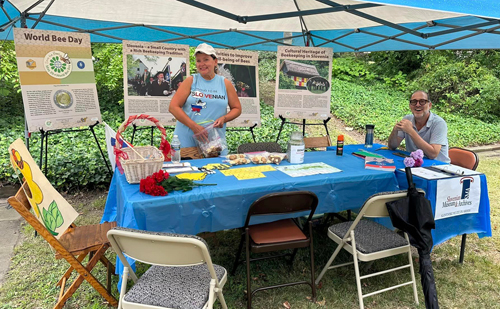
(278,235)
(182,274)
(263,146)
(468,159)
(368,240)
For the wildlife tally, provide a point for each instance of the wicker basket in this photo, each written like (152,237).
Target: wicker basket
(142,161)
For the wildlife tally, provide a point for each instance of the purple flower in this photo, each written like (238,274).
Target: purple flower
(418,162)
(409,162)
(417,154)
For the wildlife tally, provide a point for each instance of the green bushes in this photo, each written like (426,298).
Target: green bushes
(382,106)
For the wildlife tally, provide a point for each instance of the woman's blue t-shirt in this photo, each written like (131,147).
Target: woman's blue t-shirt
(206,103)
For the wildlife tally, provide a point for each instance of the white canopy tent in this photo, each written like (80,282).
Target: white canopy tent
(344,25)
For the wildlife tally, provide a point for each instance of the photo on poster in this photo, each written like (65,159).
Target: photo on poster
(242,77)
(311,75)
(154,75)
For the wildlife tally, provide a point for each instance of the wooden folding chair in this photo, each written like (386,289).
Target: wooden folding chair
(317,142)
(74,245)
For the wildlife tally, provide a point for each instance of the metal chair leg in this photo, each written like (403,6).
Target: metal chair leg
(311,253)
(237,259)
(249,283)
(462,249)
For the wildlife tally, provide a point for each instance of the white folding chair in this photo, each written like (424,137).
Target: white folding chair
(181,276)
(367,240)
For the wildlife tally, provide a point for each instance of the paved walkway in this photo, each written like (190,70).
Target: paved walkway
(10,223)
(10,220)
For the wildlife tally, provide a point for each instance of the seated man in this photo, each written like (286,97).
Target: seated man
(422,129)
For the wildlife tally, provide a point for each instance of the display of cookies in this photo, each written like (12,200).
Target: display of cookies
(239,161)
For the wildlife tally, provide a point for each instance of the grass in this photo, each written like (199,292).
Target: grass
(474,284)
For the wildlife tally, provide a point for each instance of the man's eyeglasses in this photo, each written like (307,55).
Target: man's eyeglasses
(421,102)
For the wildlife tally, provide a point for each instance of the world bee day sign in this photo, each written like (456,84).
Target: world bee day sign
(57,79)
(49,207)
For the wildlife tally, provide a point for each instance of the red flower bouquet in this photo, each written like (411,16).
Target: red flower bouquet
(160,183)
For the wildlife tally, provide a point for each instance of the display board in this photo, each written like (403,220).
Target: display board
(303,82)
(241,69)
(50,208)
(152,73)
(57,80)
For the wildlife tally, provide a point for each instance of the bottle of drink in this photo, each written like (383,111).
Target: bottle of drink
(340,145)
(369,135)
(176,146)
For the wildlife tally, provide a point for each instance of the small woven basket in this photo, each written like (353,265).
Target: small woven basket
(142,161)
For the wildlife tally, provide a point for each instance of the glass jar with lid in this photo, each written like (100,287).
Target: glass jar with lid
(295,149)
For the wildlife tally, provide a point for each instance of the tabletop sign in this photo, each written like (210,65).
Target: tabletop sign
(57,79)
(240,67)
(303,82)
(152,73)
(457,196)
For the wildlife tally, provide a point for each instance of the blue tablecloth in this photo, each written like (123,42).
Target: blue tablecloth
(225,205)
(479,223)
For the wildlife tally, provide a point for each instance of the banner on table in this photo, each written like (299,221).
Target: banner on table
(152,73)
(457,196)
(57,79)
(241,69)
(303,82)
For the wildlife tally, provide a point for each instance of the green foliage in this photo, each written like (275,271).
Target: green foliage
(10,90)
(351,69)
(177,184)
(267,66)
(286,82)
(382,106)
(460,83)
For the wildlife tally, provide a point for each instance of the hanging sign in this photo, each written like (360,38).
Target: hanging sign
(303,82)
(457,196)
(57,79)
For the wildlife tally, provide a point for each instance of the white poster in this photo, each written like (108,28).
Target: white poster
(241,69)
(57,79)
(152,73)
(457,196)
(303,82)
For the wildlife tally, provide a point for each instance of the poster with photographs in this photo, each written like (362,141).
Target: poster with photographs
(57,80)
(241,69)
(303,82)
(152,73)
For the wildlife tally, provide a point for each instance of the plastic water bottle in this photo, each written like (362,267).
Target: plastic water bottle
(176,146)
(369,135)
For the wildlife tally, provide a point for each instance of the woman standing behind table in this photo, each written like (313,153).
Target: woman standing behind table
(203,98)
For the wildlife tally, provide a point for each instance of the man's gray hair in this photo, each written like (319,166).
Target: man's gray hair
(424,92)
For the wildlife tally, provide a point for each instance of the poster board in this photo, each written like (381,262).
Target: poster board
(241,69)
(151,75)
(57,80)
(303,82)
(50,208)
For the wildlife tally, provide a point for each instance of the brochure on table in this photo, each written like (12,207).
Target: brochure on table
(300,170)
